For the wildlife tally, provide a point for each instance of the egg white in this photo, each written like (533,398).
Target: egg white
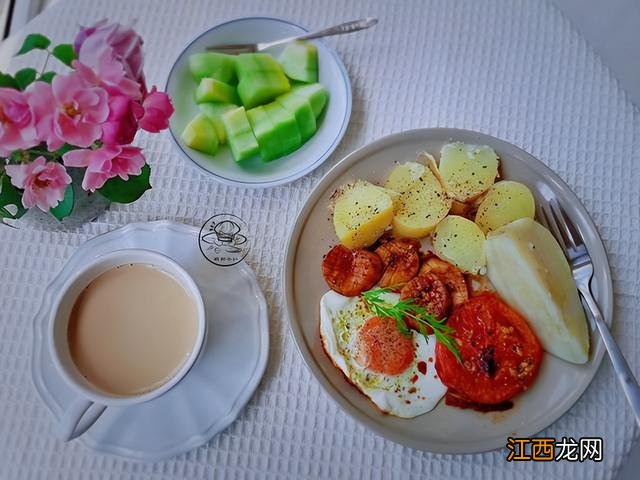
(340,319)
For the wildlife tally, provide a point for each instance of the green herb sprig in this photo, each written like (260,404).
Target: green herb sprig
(408,308)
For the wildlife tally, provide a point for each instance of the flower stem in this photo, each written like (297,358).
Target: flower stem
(45,153)
(46,61)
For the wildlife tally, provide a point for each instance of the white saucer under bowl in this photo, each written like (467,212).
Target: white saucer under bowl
(221,381)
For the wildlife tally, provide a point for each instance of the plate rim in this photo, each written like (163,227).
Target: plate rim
(292,177)
(290,255)
(199,438)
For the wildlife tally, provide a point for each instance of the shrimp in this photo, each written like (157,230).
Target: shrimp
(428,291)
(452,278)
(351,272)
(401,261)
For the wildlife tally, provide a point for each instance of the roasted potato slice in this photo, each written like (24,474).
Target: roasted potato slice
(467,170)
(422,201)
(461,242)
(505,202)
(362,212)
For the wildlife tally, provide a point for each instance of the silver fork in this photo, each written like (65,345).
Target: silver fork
(348,27)
(570,239)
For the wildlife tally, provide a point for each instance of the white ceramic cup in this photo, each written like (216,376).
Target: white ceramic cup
(91,402)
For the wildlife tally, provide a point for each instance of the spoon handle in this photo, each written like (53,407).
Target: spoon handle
(348,27)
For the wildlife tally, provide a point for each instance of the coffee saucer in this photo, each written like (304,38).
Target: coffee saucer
(219,384)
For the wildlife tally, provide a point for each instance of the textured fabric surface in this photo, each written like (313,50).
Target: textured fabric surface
(514,69)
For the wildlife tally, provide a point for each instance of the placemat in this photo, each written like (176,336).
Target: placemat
(513,69)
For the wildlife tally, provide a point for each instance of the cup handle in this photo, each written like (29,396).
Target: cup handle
(79,417)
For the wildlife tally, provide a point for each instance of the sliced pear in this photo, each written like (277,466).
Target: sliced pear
(529,270)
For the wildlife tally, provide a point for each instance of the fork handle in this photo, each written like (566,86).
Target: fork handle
(620,365)
(348,27)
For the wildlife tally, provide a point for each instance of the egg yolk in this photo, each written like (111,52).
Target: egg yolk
(381,348)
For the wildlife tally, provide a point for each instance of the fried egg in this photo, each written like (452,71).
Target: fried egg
(397,373)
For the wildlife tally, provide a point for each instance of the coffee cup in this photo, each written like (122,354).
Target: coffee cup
(98,333)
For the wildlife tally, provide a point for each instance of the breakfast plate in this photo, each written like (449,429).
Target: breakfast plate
(446,429)
(332,123)
(216,388)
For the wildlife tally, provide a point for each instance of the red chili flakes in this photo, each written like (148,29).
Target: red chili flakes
(412,390)
(431,359)
(414,379)
(422,368)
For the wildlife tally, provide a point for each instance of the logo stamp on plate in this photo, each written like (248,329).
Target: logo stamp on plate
(222,240)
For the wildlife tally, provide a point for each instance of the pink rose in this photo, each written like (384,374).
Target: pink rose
(85,32)
(122,124)
(102,45)
(104,163)
(157,110)
(110,75)
(43,182)
(69,110)
(17,122)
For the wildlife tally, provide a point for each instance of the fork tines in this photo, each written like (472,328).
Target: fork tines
(558,222)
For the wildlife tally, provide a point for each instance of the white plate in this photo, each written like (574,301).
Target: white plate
(254,172)
(445,429)
(219,384)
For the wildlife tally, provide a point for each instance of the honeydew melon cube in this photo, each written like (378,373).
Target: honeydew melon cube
(246,65)
(265,132)
(212,90)
(299,61)
(301,110)
(240,137)
(249,63)
(286,127)
(261,87)
(266,63)
(315,94)
(212,65)
(214,112)
(200,134)
(276,130)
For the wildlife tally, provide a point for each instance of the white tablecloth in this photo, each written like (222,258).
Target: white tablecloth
(514,69)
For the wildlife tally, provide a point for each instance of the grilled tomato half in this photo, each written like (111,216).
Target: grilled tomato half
(500,353)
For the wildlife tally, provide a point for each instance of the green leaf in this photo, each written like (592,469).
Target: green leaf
(127,191)
(65,207)
(8,81)
(64,52)
(34,41)
(25,77)
(10,195)
(47,76)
